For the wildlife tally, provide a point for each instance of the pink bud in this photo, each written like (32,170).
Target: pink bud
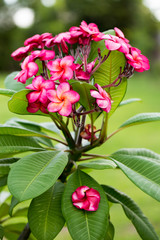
(86,198)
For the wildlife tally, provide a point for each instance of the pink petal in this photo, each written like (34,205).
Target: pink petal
(95,94)
(118,32)
(110,45)
(93,203)
(68,73)
(71,95)
(43,96)
(48,84)
(32,108)
(102,103)
(33,96)
(56,75)
(32,69)
(37,81)
(47,54)
(30,86)
(66,108)
(67,61)
(80,191)
(54,107)
(92,192)
(52,96)
(54,65)
(108,108)
(63,87)
(82,205)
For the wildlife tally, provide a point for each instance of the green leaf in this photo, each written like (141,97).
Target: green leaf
(133,212)
(3,180)
(14,203)
(142,167)
(1,232)
(10,145)
(7,92)
(100,164)
(5,164)
(18,104)
(36,173)
(45,215)
(108,72)
(4,208)
(141,118)
(130,100)
(12,84)
(83,224)
(100,44)
(110,232)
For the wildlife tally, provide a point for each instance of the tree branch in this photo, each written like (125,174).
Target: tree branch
(25,233)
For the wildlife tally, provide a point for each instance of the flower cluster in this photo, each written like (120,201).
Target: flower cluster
(86,198)
(51,88)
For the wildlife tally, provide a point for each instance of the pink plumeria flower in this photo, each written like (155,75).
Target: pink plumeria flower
(61,69)
(120,34)
(43,54)
(86,198)
(35,106)
(103,99)
(76,34)
(137,60)
(62,99)
(91,30)
(39,40)
(39,86)
(22,52)
(29,69)
(87,133)
(115,43)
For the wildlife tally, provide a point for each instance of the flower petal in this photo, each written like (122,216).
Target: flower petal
(110,45)
(72,96)
(54,65)
(67,61)
(67,74)
(102,103)
(52,96)
(66,108)
(63,87)
(54,107)
(95,94)
(33,96)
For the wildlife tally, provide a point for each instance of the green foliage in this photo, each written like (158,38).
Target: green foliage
(29,182)
(99,164)
(142,167)
(82,224)
(45,215)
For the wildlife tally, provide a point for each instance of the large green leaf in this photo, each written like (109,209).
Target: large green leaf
(7,92)
(100,164)
(142,167)
(18,104)
(108,72)
(4,208)
(141,118)
(12,84)
(10,145)
(36,173)
(130,100)
(83,224)
(110,232)
(45,215)
(133,212)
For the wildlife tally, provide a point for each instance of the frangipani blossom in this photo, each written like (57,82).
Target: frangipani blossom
(22,52)
(62,99)
(86,198)
(91,30)
(43,54)
(61,69)
(39,86)
(29,69)
(120,34)
(137,60)
(35,106)
(115,43)
(103,99)
(38,40)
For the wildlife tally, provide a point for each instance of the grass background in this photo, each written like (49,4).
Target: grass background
(144,136)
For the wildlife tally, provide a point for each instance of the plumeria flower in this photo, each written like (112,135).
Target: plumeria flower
(91,30)
(39,40)
(87,133)
(103,99)
(137,60)
(86,198)
(61,69)
(22,52)
(120,34)
(39,86)
(29,69)
(43,54)
(116,43)
(62,99)
(35,106)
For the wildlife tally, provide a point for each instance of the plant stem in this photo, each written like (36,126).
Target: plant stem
(94,155)
(25,233)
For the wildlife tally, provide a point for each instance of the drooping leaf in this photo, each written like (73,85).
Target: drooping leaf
(142,167)
(11,145)
(45,215)
(108,72)
(133,212)
(130,100)
(12,84)
(99,164)
(36,173)
(18,104)
(141,118)
(83,224)
(7,92)
(110,232)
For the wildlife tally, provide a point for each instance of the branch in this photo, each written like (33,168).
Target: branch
(25,233)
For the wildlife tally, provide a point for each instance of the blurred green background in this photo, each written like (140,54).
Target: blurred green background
(20,19)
